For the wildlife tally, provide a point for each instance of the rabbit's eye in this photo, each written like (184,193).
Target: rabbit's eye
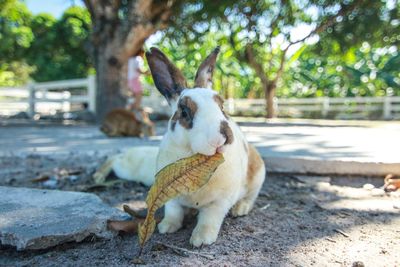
(184,113)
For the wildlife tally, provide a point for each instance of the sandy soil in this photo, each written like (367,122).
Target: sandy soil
(297,221)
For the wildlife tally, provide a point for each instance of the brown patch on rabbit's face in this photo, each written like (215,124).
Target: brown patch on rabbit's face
(220,103)
(185,113)
(226,131)
(255,163)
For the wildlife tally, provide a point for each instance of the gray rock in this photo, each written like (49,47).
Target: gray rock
(38,219)
(368,186)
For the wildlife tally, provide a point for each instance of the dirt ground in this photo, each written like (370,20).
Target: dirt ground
(297,221)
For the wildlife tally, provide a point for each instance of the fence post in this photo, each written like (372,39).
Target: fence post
(231,106)
(66,104)
(325,106)
(31,100)
(387,108)
(92,93)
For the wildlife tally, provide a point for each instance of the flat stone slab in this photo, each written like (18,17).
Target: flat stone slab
(39,219)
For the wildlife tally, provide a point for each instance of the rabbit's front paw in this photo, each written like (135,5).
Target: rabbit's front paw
(204,235)
(168,226)
(242,208)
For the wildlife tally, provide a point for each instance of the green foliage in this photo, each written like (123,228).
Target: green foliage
(357,53)
(364,71)
(58,50)
(15,73)
(45,48)
(357,57)
(15,32)
(229,73)
(375,22)
(337,65)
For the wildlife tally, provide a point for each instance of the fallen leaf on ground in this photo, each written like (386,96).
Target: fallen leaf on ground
(131,226)
(102,186)
(181,177)
(102,172)
(138,261)
(134,213)
(125,226)
(41,178)
(66,172)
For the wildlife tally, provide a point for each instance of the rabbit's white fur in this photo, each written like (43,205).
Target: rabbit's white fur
(233,185)
(134,164)
(137,164)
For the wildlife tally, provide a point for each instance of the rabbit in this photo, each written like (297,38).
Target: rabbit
(200,125)
(122,122)
(135,164)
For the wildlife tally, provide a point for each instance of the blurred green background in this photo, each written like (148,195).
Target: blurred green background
(353,53)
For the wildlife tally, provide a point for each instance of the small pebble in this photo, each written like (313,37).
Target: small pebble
(358,264)
(138,261)
(51,183)
(73,178)
(368,186)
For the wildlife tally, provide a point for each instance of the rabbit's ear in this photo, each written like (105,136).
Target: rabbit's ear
(205,72)
(168,79)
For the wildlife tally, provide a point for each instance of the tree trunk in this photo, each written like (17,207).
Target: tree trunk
(109,94)
(269,99)
(117,37)
(268,85)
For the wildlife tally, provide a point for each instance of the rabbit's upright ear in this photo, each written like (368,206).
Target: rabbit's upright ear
(168,79)
(205,72)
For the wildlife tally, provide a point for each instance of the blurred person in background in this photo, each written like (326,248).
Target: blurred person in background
(135,69)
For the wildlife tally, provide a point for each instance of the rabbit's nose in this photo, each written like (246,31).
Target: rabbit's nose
(217,142)
(221,149)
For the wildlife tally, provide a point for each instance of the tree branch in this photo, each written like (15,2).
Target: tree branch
(281,65)
(145,18)
(90,8)
(258,68)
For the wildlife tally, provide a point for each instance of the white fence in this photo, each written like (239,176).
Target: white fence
(47,97)
(61,95)
(345,108)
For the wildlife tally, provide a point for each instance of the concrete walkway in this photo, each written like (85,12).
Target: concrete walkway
(325,147)
(302,146)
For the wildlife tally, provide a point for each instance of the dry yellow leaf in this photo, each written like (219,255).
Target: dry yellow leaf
(181,177)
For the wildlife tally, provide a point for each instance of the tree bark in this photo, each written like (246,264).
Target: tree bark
(269,99)
(109,94)
(268,85)
(115,38)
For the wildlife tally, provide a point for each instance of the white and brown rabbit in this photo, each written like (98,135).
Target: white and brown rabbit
(200,125)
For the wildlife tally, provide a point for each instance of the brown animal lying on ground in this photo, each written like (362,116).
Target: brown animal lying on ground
(122,122)
(392,183)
